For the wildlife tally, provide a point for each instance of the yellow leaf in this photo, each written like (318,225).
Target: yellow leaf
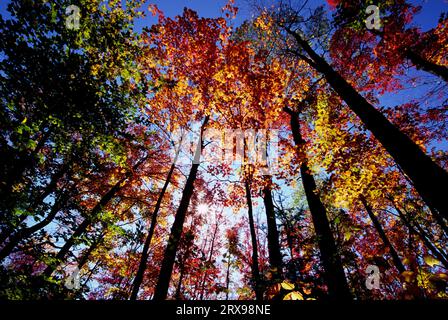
(95,69)
(24,120)
(431,261)
(293,296)
(408,275)
(347,235)
(287,286)
(443,276)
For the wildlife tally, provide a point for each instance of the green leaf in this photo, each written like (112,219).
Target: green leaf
(54,13)
(337,220)
(31,144)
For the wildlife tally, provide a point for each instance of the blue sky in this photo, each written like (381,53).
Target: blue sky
(427,19)
(212,8)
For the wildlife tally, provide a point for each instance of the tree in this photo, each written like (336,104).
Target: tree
(303,173)
(333,269)
(422,170)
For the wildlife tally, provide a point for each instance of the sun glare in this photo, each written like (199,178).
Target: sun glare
(202,208)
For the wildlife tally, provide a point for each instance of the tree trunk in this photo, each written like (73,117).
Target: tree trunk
(169,257)
(420,62)
(209,260)
(334,274)
(288,232)
(414,290)
(437,217)
(275,255)
(422,235)
(395,258)
(82,228)
(86,223)
(179,283)
(425,174)
(228,275)
(253,235)
(9,230)
(145,253)
(86,254)
(182,266)
(16,238)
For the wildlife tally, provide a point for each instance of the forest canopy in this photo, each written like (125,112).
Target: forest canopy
(300,153)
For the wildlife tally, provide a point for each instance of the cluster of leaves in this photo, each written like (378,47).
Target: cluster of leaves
(89,177)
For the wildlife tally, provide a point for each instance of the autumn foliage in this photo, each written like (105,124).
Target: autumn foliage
(281,159)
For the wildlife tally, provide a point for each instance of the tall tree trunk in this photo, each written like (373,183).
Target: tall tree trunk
(414,290)
(395,257)
(275,255)
(209,260)
(288,232)
(179,283)
(228,275)
(9,230)
(426,65)
(86,254)
(258,288)
(333,270)
(334,274)
(145,253)
(169,257)
(182,261)
(425,174)
(420,62)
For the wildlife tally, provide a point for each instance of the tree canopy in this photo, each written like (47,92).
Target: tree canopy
(199,159)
